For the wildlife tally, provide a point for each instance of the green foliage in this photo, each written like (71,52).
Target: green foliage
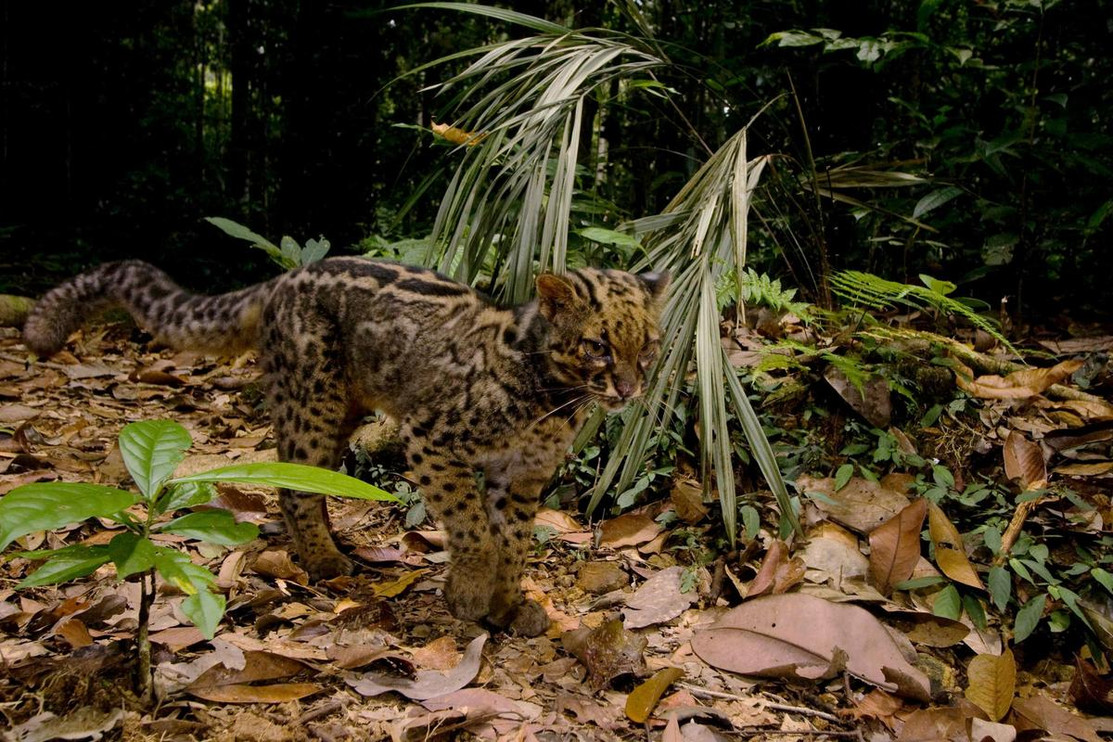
(288,254)
(151,451)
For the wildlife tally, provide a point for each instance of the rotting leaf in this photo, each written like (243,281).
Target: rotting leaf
(861,505)
(895,547)
(950,553)
(1024,461)
(608,652)
(991,683)
(658,600)
(426,683)
(643,699)
(801,636)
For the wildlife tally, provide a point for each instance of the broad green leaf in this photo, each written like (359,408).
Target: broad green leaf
(1028,617)
(1000,587)
(214,526)
(187,495)
(919,582)
(48,505)
(843,475)
(948,603)
(751,521)
(177,569)
(1104,578)
(235,229)
(131,553)
(297,477)
(610,237)
(934,200)
(975,610)
(69,566)
(205,609)
(152,449)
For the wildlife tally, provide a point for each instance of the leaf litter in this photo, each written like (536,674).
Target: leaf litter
(299,654)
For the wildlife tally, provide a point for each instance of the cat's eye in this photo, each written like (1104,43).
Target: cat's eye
(649,352)
(594,348)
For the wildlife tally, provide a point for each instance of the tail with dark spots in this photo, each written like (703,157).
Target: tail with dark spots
(225,323)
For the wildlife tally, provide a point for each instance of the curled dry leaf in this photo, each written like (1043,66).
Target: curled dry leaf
(1017,385)
(426,683)
(225,685)
(608,652)
(643,699)
(1024,461)
(895,547)
(950,553)
(779,572)
(630,529)
(991,683)
(801,636)
(861,505)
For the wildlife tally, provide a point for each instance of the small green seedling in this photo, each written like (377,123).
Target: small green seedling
(152,451)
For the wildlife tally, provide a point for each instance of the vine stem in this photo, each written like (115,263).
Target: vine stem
(143,640)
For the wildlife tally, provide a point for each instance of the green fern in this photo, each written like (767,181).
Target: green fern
(874,292)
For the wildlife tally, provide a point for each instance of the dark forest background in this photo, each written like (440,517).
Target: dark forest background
(123,124)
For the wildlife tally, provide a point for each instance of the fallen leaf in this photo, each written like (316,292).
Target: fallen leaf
(83,723)
(950,553)
(895,547)
(178,638)
(629,529)
(935,724)
(17,413)
(596,578)
(871,399)
(483,702)
(1024,461)
(397,587)
(990,731)
(426,683)
(1090,469)
(1091,691)
(439,654)
(227,685)
(1017,385)
(991,683)
(861,505)
(686,495)
(75,633)
(877,704)
(608,652)
(659,599)
(801,636)
(778,572)
(1040,712)
(833,551)
(277,563)
(643,699)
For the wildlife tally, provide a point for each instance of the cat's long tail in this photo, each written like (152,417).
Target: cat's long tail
(226,323)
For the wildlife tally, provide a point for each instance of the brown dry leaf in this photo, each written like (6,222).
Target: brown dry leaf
(778,572)
(629,529)
(895,547)
(877,704)
(568,529)
(439,654)
(1090,469)
(935,724)
(801,636)
(277,563)
(1091,691)
(178,638)
(480,702)
(950,554)
(457,136)
(643,699)
(686,495)
(990,731)
(608,652)
(1074,346)
(1024,461)
(397,587)
(225,685)
(1040,712)
(991,683)
(156,376)
(425,683)
(861,505)
(83,723)
(75,633)
(928,629)
(872,400)
(1017,385)
(834,556)
(672,731)
(17,413)
(597,578)
(658,600)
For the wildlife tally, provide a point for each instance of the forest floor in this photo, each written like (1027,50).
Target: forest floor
(647,641)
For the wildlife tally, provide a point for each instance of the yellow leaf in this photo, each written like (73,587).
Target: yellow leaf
(391,589)
(643,699)
(457,136)
(992,683)
(950,554)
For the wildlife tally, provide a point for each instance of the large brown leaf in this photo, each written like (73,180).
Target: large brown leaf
(801,636)
(861,505)
(1017,385)
(991,683)
(426,683)
(226,685)
(1024,461)
(895,547)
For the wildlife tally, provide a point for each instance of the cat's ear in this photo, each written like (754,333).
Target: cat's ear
(554,294)
(656,283)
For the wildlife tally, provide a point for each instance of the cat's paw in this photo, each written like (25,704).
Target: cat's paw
(468,596)
(530,620)
(327,566)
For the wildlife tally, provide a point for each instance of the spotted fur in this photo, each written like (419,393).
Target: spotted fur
(473,387)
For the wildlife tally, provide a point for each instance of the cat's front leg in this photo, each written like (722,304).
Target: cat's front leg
(511,507)
(452,495)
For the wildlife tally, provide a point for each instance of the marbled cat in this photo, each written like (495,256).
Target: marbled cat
(474,388)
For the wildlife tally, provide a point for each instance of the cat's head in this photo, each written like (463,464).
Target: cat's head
(605,333)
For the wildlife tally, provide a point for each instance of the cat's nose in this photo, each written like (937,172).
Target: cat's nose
(625,388)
